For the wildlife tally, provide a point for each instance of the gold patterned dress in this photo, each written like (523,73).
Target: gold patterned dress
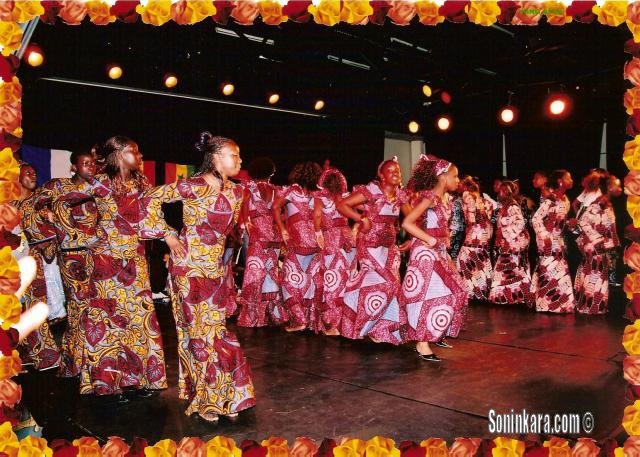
(214,375)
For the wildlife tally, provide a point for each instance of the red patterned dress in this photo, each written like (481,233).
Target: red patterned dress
(302,275)
(551,283)
(474,258)
(261,296)
(122,340)
(370,296)
(597,224)
(511,282)
(214,376)
(433,297)
(338,259)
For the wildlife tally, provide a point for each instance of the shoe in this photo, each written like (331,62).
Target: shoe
(443,344)
(145,393)
(211,418)
(429,357)
(233,417)
(295,329)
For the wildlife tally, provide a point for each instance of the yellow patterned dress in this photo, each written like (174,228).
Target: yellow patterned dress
(122,342)
(214,375)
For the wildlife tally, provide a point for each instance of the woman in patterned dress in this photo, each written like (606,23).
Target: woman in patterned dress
(122,343)
(261,298)
(433,298)
(214,376)
(370,297)
(474,259)
(336,240)
(511,281)
(596,223)
(302,275)
(551,283)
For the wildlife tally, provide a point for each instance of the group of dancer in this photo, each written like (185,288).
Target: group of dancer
(318,257)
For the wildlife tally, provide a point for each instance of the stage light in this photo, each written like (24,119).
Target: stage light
(414,127)
(426,90)
(508,115)
(115,72)
(228,89)
(319,105)
(558,106)
(273,99)
(170,81)
(444,123)
(35,58)
(445,97)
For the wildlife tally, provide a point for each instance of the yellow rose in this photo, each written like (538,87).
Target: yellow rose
(8,440)
(156,12)
(10,310)
(304,447)
(271,12)
(428,13)
(633,208)
(164,448)
(631,155)
(10,37)
(100,12)
(220,446)
(326,13)
(191,447)
(631,418)
(631,337)
(356,12)
(25,10)
(556,13)
(9,167)
(35,447)
(8,264)
(379,446)
(17,132)
(9,190)
(87,447)
(483,12)
(612,13)
(464,447)
(115,447)
(435,447)
(585,447)
(635,30)
(558,447)
(507,447)
(350,448)
(191,12)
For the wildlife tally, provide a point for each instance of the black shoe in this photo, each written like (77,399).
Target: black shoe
(443,344)
(142,393)
(429,357)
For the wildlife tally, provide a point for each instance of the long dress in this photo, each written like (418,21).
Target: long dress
(338,259)
(302,275)
(551,283)
(39,348)
(456,226)
(214,376)
(370,296)
(433,296)
(122,339)
(261,297)
(77,230)
(597,224)
(511,281)
(474,259)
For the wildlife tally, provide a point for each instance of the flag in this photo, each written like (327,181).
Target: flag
(175,171)
(150,171)
(48,163)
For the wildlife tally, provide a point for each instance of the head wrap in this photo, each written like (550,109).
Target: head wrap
(333,171)
(393,159)
(441,165)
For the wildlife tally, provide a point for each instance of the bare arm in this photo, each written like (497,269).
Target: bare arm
(346,208)
(276,210)
(411,226)
(317,221)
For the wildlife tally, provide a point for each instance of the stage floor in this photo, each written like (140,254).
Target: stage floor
(318,386)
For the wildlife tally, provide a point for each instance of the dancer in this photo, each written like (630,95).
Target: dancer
(551,283)
(336,240)
(370,297)
(302,275)
(511,282)
(474,260)
(456,223)
(261,298)
(214,376)
(433,295)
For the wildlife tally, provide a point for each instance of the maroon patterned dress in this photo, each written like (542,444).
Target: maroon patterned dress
(433,297)
(261,297)
(302,275)
(551,283)
(597,224)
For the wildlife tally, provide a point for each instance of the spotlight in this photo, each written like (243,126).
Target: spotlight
(170,81)
(508,115)
(414,127)
(445,97)
(444,123)
(558,106)
(273,99)
(115,72)
(228,89)
(35,57)
(319,105)
(426,90)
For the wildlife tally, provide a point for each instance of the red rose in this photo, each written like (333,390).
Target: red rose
(137,447)
(380,10)
(632,393)
(223,10)
(8,67)
(297,11)
(8,341)
(581,11)
(125,11)
(412,449)
(252,448)
(51,10)
(453,10)
(63,448)
(633,123)
(533,449)
(507,11)
(326,448)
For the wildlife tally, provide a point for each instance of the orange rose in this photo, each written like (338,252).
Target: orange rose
(612,13)
(585,447)
(9,190)
(191,447)
(9,217)
(10,92)
(9,167)
(326,13)
(632,69)
(464,447)
(10,366)
(632,256)
(401,12)
(529,13)
(245,12)
(191,12)
(11,116)
(631,418)
(304,447)
(10,310)
(87,447)
(435,447)
(428,13)
(632,99)
(100,13)
(356,12)
(24,11)
(631,335)
(10,393)
(155,12)
(633,20)
(115,447)
(72,12)
(276,447)
(556,13)
(631,368)
(271,12)
(6,11)
(483,12)
(10,37)
(558,447)
(631,447)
